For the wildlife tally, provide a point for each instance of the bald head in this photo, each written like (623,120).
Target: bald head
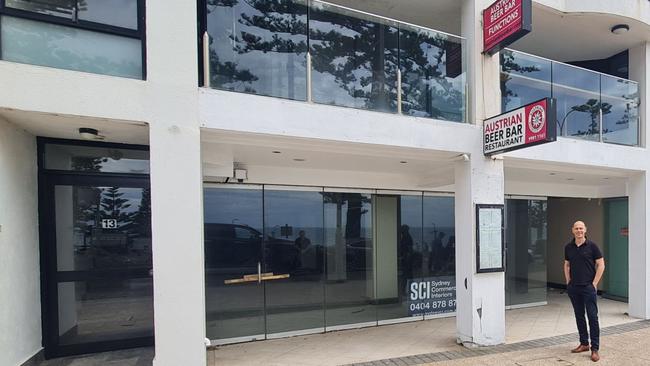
(579,223)
(579,230)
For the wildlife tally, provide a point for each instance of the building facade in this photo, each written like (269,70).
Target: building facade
(202,173)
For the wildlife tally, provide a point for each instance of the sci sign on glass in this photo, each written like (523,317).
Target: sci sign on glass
(532,124)
(504,22)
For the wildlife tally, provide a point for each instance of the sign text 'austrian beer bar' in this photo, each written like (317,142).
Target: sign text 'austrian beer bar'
(532,124)
(504,22)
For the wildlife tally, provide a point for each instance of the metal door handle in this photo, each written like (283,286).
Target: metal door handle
(275,277)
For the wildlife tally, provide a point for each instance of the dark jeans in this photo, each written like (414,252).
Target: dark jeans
(583,297)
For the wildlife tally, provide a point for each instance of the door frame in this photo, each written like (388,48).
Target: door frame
(49,276)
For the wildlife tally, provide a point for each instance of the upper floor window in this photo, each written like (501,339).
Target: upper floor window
(98,36)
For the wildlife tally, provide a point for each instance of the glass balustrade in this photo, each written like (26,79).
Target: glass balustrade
(590,105)
(322,53)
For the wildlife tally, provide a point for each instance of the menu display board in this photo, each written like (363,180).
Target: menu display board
(489,238)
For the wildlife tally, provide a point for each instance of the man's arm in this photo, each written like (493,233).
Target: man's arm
(600,269)
(567,272)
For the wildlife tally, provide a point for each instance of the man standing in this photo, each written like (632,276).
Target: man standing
(583,268)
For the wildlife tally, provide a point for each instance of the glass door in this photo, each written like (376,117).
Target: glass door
(349,251)
(98,265)
(233,240)
(294,260)
(526,233)
(617,250)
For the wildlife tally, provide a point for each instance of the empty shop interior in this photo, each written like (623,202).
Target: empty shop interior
(335,258)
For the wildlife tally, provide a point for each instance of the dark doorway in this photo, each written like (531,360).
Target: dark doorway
(95,230)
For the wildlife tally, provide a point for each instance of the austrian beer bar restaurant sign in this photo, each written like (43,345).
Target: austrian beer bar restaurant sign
(504,22)
(532,124)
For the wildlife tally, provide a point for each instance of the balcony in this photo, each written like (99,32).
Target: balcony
(317,52)
(590,105)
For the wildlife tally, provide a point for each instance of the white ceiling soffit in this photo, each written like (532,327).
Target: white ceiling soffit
(579,36)
(67,127)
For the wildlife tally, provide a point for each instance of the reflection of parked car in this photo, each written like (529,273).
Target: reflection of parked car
(229,246)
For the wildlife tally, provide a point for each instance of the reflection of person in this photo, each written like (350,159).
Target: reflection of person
(583,268)
(302,242)
(437,256)
(405,254)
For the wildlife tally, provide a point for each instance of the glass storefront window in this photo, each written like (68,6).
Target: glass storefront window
(354,59)
(288,260)
(95,159)
(259,47)
(349,250)
(398,221)
(293,247)
(45,44)
(233,235)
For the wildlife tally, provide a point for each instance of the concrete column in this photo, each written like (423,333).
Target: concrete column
(639,239)
(176,183)
(638,188)
(480,307)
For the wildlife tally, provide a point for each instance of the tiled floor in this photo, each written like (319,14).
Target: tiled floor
(128,357)
(375,343)
(362,345)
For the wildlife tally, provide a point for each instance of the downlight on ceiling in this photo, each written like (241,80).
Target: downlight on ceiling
(90,134)
(620,28)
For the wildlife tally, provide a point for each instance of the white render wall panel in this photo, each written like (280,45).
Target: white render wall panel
(229,111)
(20,293)
(49,90)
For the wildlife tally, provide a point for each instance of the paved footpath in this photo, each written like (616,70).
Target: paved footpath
(624,345)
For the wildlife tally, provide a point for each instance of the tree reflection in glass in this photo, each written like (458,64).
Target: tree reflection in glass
(258,46)
(354,59)
(433,77)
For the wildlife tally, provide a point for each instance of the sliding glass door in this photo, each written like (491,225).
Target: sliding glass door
(284,260)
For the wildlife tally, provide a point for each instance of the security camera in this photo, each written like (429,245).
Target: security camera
(241,175)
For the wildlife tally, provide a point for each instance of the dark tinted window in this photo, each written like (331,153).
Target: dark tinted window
(120,13)
(60,8)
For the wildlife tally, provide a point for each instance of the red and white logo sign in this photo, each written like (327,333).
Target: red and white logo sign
(504,22)
(536,119)
(523,126)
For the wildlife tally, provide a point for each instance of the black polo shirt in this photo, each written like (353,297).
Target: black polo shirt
(582,260)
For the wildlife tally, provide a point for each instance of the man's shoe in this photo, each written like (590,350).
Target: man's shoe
(595,356)
(580,348)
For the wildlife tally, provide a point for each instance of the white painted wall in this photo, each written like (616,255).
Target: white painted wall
(20,296)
